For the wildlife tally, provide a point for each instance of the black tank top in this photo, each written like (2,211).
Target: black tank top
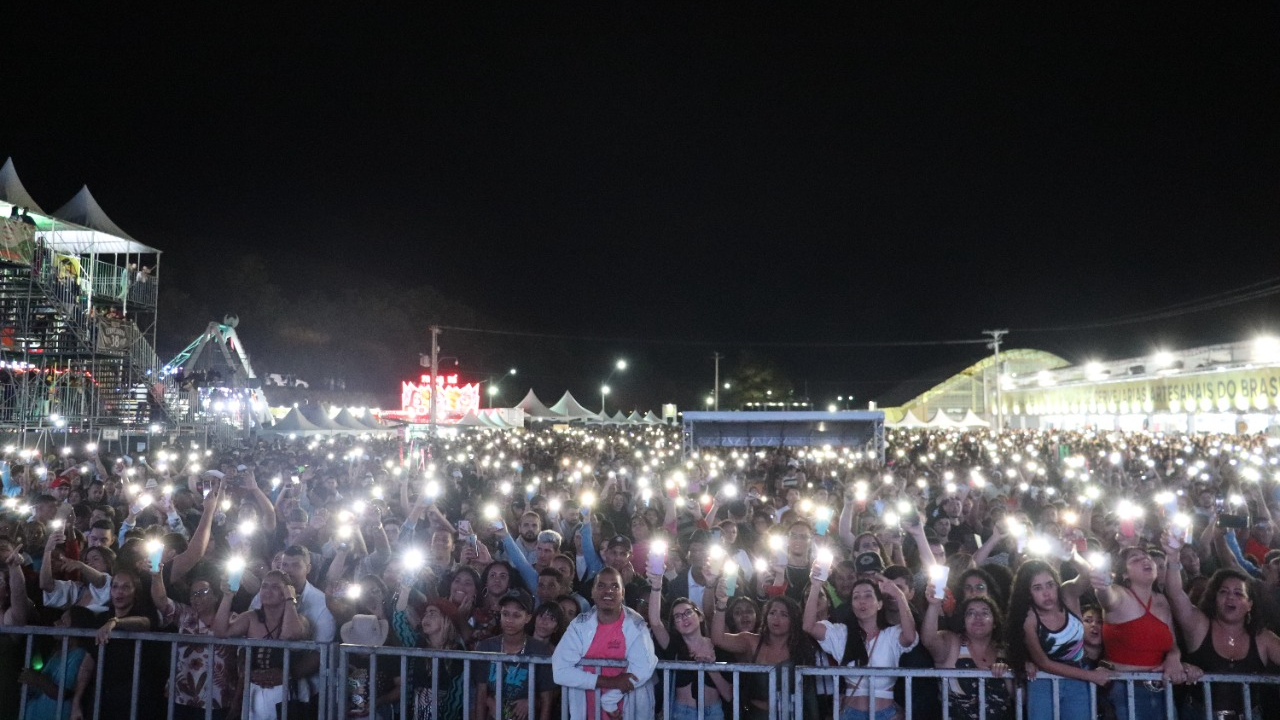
(1226,696)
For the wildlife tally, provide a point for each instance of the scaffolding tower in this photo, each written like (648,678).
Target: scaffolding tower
(78,310)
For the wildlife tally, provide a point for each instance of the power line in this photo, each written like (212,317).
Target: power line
(1246,293)
(712,343)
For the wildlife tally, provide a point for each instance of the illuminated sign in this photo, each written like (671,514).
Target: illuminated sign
(1242,390)
(452,400)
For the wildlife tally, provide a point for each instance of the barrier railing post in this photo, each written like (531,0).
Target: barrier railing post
(404,687)
(737,685)
(285,695)
(173,668)
(210,657)
(343,695)
(137,678)
(97,683)
(62,679)
(1248,701)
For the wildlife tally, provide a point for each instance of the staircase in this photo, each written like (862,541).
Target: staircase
(43,314)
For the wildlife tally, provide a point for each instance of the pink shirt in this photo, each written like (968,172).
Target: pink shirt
(608,644)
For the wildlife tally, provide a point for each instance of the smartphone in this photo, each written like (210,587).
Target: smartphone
(1233,522)
(715,536)
(464,528)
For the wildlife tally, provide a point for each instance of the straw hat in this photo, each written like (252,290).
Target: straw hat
(365,630)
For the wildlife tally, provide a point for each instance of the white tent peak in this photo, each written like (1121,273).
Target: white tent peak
(652,419)
(84,210)
(533,407)
(970,419)
(569,408)
(12,190)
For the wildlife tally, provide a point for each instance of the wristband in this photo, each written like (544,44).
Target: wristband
(718,608)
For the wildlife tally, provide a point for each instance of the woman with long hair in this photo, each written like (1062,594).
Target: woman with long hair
(548,624)
(498,577)
(131,610)
(1046,633)
(1227,632)
(781,639)
(868,641)
(743,615)
(461,587)
(978,646)
(682,636)
(1137,632)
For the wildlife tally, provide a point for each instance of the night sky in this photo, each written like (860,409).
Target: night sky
(661,181)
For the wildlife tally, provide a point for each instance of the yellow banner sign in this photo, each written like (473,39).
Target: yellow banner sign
(1241,390)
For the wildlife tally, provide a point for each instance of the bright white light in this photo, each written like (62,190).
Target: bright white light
(1162,359)
(1266,349)
(621,365)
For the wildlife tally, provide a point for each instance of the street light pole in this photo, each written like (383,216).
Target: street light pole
(996,335)
(435,373)
(716,387)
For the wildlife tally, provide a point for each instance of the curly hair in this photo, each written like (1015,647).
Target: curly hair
(1020,603)
(1258,616)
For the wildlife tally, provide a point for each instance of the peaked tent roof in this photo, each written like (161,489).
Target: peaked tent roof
(635,418)
(911,421)
(345,420)
(320,418)
(12,190)
(296,422)
(470,420)
(942,420)
(972,420)
(534,408)
(84,210)
(619,418)
(652,419)
(569,408)
(375,425)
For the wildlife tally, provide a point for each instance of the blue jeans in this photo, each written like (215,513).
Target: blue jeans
(1148,704)
(855,714)
(712,711)
(1073,699)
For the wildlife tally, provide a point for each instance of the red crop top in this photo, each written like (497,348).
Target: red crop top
(1140,642)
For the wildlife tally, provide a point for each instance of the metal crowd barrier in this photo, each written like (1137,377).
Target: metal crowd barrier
(173,640)
(778,679)
(785,681)
(1130,679)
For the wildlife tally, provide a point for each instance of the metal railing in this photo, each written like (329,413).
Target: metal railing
(778,680)
(421,678)
(174,640)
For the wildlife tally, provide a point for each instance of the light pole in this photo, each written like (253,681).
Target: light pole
(493,389)
(619,366)
(715,386)
(996,335)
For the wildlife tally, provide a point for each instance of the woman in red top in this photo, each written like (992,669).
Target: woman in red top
(1137,633)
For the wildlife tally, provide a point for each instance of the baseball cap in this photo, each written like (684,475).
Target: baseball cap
(517,596)
(619,541)
(869,562)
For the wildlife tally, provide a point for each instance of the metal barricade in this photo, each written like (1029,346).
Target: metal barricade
(1130,681)
(778,679)
(174,640)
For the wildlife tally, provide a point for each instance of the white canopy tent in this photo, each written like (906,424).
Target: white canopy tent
(972,420)
(295,423)
(652,419)
(567,408)
(14,192)
(82,226)
(316,415)
(348,422)
(942,420)
(534,408)
(910,421)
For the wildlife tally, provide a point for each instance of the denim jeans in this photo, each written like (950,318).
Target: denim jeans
(855,714)
(711,711)
(1073,699)
(1148,704)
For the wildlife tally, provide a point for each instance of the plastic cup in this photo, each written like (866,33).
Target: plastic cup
(939,574)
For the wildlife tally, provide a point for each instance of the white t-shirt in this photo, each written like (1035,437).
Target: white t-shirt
(66,593)
(882,652)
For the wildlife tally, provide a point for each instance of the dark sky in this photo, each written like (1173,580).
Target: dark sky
(736,173)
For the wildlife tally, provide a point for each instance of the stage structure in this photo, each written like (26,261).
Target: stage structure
(857,429)
(217,386)
(78,300)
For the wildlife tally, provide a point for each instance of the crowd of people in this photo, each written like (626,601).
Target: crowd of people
(1020,554)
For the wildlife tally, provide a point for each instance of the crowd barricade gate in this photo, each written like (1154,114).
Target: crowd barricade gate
(785,681)
(173,640)
(778,678)
(1130,679)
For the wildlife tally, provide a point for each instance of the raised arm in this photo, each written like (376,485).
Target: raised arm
(937,642)
(159,596)
(1100,676)
(1190,619)
(844,526)
(660,634)
(46,566)
(19,603)
(199,543)
(223,625)
(989,546)
(739,643)
(816,630)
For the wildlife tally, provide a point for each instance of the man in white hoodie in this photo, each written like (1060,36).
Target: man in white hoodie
(610,631)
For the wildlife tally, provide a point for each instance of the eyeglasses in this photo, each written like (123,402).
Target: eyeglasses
(201,593)
(681,616)
(976,588)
